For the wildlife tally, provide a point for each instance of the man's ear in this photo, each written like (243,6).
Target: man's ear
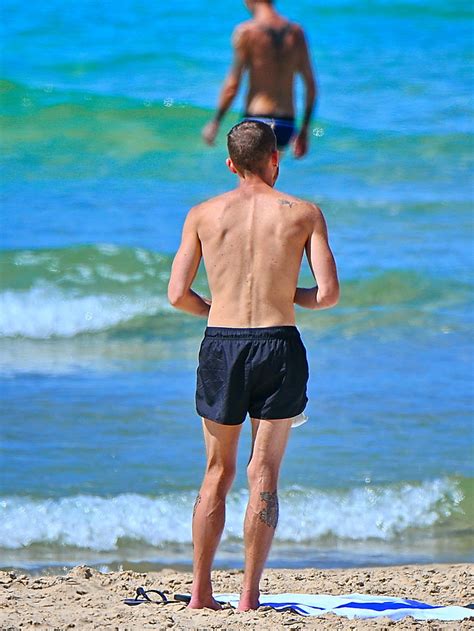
(230,166)
(275,159)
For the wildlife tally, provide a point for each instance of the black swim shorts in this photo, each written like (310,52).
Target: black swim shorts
(283,127)
(262,372)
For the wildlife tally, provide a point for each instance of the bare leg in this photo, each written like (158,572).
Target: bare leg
(268,446)
(209,509)
(255,423)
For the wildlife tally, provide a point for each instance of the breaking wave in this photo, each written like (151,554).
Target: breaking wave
(307,515)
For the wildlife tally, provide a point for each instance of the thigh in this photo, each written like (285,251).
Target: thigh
(269,440)
(221,442)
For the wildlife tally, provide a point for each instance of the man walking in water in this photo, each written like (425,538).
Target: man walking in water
(252,359)
(273,50)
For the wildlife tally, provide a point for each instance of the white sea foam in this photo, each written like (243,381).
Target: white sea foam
(44,312)
(306,515)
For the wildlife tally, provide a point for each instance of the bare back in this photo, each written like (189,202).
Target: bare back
(252,245)
(274,52)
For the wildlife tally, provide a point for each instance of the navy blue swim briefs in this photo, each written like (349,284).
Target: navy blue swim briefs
(283,127)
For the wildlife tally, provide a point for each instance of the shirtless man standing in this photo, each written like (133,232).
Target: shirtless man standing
(273,50)
(252,359)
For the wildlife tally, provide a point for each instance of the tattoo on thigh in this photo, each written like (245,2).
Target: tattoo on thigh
(269,515)
(196,503)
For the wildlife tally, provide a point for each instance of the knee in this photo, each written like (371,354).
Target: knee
(219,476)
(262,475)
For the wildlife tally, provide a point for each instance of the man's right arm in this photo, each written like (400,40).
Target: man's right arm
(306,71)
(321,261)
(230,87)
(184,270)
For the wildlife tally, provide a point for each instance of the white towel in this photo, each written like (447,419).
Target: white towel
(355,606)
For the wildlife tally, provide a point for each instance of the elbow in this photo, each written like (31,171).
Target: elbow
(332,300)
(229,94)
(329,297)
(230,90)
(175,296)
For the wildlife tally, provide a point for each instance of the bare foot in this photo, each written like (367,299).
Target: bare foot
(208,603)
(247,605)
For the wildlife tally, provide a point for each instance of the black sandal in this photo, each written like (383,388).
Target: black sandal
(142,597)
(182,598)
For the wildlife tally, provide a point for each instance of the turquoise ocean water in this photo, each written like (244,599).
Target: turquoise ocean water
(101,450)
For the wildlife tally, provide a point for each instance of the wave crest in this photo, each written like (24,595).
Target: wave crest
(88,289)
(99,523)
(42,313)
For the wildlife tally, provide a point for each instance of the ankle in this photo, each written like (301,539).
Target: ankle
(248,603)
(249,598)
(201,592)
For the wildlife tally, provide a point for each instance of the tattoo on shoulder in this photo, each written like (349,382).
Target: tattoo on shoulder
(269,515)
(196,503)
(286,202)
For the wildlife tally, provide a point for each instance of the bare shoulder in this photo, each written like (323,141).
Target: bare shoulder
(318,222)
(192,218)
(317,217)
(297,31)
(241,31)
(204,208)
(300,41)
(302,205)
(244,26)
(309,212)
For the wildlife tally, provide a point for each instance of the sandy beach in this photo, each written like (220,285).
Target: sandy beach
(88,599)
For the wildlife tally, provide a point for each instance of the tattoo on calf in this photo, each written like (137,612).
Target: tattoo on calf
(269,515)
(286,202)
(198,501)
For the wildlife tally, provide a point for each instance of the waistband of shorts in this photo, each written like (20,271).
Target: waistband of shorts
(257,333)
(277,119)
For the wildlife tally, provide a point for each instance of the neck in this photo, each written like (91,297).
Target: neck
(263,10)
(252,180)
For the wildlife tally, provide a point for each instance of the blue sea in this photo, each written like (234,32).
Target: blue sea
(101,449)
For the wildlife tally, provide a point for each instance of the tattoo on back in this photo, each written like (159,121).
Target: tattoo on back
(269,515)
(286,202)
(196,503)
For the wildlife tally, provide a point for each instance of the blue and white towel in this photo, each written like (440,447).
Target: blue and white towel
(355,606)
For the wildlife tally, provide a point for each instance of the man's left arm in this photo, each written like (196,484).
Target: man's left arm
(184,270)
(230,87)
(306,71)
